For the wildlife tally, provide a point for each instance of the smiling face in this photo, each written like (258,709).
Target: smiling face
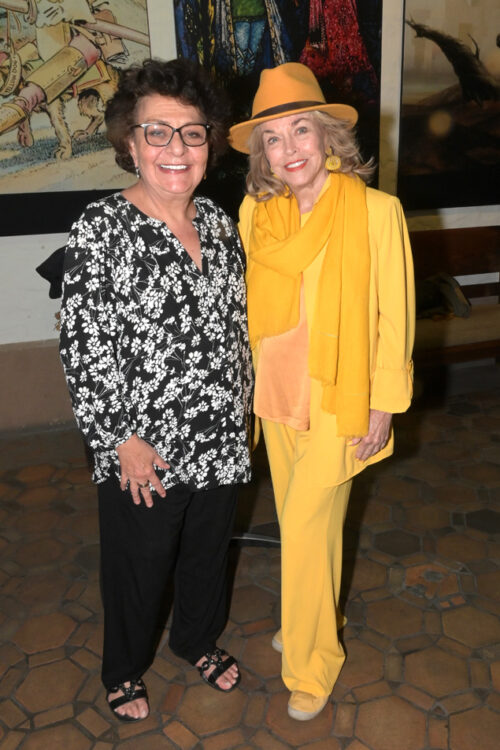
(294,148)
(174,170)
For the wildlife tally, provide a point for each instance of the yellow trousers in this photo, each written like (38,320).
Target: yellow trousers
(311,519)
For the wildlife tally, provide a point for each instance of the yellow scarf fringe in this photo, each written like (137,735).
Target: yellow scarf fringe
(280,250)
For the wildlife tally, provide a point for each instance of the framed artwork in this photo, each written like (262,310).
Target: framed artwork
(59,65)
(449,143)
(340,40)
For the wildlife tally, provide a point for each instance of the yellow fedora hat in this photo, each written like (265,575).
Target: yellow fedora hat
(284,90)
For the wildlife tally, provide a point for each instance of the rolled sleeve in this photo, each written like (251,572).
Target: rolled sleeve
(393,321)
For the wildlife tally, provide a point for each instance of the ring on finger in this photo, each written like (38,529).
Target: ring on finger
(142,485)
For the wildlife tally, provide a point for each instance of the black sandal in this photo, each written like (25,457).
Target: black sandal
(136,690)
(221,666)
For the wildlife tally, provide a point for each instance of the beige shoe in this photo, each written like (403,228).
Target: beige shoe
(277,642)
(304,706)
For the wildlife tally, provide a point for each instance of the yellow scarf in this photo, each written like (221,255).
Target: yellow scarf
(280,249)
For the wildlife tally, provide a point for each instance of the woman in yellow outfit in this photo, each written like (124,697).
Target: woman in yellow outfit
(331,320)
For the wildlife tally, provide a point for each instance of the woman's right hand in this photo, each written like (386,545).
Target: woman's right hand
(137,462)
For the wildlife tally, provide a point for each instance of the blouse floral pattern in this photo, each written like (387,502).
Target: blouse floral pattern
(151,345)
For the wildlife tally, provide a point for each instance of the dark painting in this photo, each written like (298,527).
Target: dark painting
(449,148)
(340,40)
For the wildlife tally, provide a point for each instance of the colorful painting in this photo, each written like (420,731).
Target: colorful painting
(235,39)
(59,66)
(449,148)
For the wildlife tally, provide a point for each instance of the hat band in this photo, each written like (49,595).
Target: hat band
(286,108)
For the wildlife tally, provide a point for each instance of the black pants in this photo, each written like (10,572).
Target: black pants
(187,534)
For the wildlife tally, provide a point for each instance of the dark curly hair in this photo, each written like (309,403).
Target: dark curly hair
(180,79)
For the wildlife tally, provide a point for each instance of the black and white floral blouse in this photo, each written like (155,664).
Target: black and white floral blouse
(151,345)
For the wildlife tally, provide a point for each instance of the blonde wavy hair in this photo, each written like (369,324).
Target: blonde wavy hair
(337,134)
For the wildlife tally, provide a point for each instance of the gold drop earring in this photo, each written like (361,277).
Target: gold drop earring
(332,161)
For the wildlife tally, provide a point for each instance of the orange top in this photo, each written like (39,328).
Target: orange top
(282,381)
(282,386)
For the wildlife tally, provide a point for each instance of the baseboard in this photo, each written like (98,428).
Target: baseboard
(32,387)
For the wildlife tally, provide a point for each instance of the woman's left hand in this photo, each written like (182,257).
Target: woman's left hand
(137,469)
(379,430)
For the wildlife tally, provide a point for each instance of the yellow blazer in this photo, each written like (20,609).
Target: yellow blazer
(391,329)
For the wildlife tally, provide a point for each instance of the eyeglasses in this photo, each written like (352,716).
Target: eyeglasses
(160,134)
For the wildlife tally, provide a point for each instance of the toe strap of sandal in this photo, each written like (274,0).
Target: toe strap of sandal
(221,666)
(132,692)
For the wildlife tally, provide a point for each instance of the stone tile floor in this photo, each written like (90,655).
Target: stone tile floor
(421,584)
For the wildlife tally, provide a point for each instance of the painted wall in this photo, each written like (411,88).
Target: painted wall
(27,313)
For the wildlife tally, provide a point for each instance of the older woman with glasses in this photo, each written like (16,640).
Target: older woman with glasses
(155,350)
